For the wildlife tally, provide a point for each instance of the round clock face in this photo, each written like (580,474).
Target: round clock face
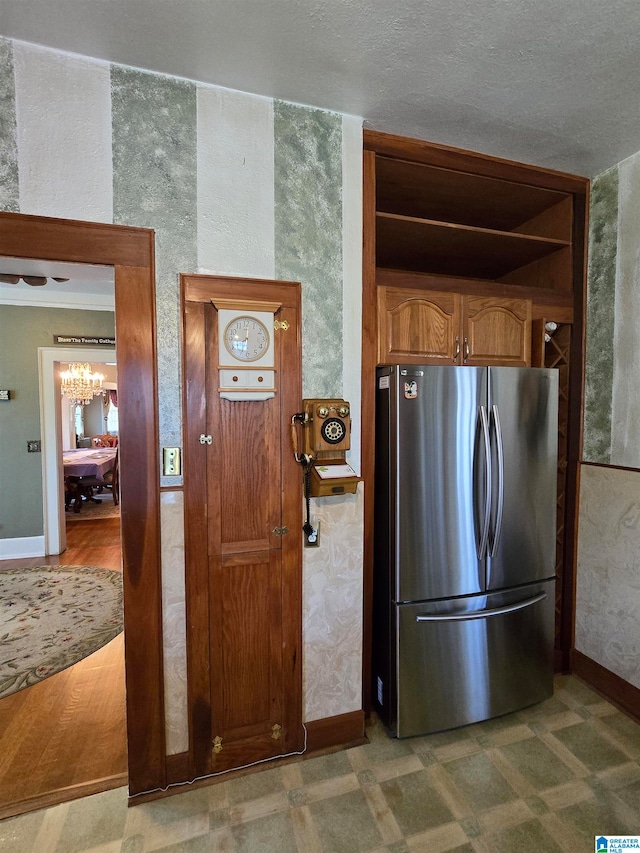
(246,338)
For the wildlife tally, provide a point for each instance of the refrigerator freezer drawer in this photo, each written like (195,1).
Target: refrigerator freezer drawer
(466,660)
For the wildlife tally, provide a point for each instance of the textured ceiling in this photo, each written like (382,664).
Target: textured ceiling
(550,82)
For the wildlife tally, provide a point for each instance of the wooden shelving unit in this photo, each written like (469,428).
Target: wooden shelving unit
(447,248)
(443,227)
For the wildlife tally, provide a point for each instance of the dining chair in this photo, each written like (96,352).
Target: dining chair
(104,441)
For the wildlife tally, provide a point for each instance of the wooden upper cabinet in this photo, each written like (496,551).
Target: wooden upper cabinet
(431,327)
(496,331)
(418,326)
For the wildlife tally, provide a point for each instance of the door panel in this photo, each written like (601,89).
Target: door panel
(527,406)
(246,684)
(249,464)
(436,448)
(243,573)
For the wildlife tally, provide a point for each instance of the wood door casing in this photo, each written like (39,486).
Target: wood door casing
(130,251)
(243,579)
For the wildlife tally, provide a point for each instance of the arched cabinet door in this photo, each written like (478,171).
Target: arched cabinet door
(496,331)
(418,326)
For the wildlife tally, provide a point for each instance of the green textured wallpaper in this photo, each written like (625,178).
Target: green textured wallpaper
(154,186)
(603,241)
(308,234)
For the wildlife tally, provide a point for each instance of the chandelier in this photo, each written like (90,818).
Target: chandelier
(80,384)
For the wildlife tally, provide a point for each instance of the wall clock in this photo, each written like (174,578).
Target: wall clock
(246,338)
(246,350)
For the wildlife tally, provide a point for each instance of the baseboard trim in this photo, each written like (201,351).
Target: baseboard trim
(335,731)
(618,691)
(21,546)
(326,735)
(63,795)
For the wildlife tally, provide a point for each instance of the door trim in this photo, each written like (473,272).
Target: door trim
(130,251)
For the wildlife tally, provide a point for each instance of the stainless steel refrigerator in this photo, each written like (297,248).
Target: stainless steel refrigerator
(465,522)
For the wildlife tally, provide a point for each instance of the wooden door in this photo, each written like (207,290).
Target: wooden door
(418,326)
(243,515)
(496,331)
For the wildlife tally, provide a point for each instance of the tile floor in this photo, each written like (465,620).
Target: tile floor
(545,779)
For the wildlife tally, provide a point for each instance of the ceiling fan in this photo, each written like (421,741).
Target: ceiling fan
(33,280)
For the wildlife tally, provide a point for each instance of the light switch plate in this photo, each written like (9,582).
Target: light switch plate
(171,461)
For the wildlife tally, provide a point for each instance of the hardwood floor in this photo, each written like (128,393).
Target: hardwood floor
(66,736)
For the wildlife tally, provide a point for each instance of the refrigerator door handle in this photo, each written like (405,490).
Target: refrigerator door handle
(497,530)
(480,614)
(483,424)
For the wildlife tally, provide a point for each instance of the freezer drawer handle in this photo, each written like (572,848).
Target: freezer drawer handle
(480,614)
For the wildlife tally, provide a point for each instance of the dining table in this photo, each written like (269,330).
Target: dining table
(85,463)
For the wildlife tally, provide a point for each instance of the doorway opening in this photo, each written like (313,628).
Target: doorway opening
(130,253)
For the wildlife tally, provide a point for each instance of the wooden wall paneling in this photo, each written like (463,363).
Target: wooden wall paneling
(369,354)
(131,252)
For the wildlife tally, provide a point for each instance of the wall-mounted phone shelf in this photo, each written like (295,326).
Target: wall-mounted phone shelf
(333,479)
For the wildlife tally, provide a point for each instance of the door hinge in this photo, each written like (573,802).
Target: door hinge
(280,531)
(217,744)
(205,439)
(276,731)
(281,324)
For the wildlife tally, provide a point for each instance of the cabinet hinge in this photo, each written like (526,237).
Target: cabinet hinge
(275,731)
(280,531)
(217,744)
(281,324)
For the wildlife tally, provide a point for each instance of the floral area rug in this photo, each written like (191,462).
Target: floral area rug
(52,617)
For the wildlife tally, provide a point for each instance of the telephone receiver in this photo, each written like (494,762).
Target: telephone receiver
(325,425)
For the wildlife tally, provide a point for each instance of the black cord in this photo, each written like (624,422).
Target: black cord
(307,528)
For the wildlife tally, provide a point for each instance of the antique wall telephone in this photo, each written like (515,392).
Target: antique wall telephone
(320,437)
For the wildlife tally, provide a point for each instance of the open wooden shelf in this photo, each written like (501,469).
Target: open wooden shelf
(448,195)
(424,245)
